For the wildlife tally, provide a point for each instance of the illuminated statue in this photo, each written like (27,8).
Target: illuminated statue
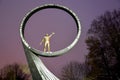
(46,41)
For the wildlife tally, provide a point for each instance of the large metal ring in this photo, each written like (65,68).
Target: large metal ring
(56,53)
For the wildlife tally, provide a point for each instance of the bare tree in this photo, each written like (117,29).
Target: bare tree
(73,71)
(14,72)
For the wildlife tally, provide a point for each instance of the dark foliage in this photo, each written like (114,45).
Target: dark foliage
(104,47)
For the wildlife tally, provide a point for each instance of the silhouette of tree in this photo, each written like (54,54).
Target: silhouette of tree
(104,47)
(14,72)
(73,71)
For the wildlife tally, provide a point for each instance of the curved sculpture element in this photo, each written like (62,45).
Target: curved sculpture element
(56,53)
(37,68)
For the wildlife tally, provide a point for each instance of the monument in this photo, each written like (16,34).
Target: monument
(37,67)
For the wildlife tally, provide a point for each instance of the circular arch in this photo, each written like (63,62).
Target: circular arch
(56,53)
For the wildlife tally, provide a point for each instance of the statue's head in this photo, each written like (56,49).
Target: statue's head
(46,35)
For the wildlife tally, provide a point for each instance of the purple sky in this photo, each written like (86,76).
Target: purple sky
(47,21)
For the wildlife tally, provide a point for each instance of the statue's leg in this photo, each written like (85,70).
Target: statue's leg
(45,47)
(48,47)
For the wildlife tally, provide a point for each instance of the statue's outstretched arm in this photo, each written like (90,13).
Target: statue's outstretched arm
(52,34)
